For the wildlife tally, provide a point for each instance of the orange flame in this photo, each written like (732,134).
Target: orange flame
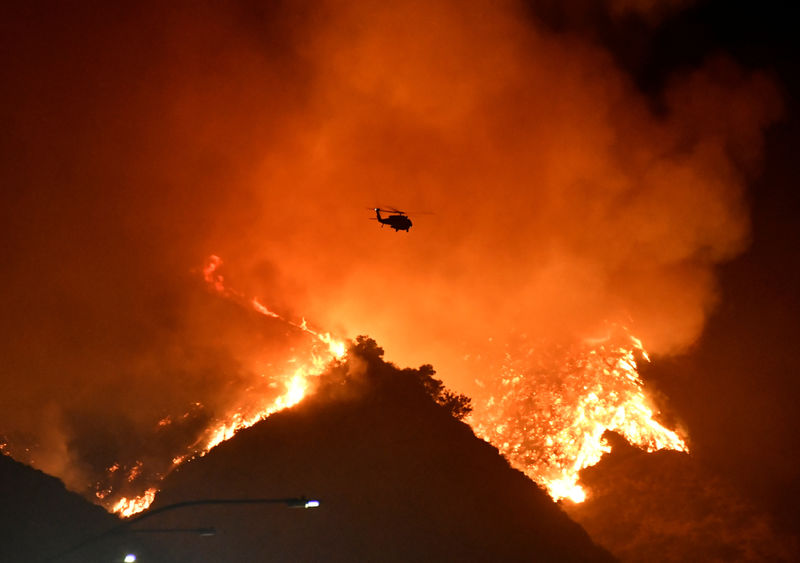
(128,507)
(548,418)
(546,413)
(297,386)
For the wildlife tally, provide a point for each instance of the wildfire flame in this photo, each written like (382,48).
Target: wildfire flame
(548,411)
(126,507)
(297,385)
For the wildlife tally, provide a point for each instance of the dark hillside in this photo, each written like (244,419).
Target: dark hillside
(40,519)
(399,478)
(666,506)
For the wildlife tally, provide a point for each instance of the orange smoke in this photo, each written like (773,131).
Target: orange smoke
(561,201)
(251,407)
(562,204)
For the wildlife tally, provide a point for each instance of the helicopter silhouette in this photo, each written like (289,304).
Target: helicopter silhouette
(398,220)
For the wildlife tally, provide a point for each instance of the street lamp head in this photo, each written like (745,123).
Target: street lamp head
(130,558)
(302,502)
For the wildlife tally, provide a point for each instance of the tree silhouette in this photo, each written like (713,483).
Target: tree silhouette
(457,404)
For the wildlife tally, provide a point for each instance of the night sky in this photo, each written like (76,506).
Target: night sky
(736,388)
(582,165)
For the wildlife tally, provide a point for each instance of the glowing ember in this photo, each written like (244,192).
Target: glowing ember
(548,411)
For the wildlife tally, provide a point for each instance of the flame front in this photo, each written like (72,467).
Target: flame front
(548,411)
(126,507)
(296,389)
(296,385)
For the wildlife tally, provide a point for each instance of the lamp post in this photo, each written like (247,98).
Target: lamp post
(198,531)
(125,527)
(294,502)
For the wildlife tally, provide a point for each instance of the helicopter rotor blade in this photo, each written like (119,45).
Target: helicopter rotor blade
(398,212)
(386,210)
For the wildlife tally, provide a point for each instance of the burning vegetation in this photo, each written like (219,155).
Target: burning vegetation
(564,205)
(546,414)
(549,409)
(288,389)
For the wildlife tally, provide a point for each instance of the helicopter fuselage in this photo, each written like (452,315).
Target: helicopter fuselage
(397,221)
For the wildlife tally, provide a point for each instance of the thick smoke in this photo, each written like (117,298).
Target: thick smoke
(561,201)
(139,141)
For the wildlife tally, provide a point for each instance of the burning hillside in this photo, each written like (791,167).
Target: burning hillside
(399,479)
(565,202)
(547,413)
(283,389)
(549,409)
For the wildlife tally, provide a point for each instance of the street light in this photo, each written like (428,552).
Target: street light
(292,502)
(302,502)
(198,531)
(295,502)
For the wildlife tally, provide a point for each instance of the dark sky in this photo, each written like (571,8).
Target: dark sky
(737,388)
(585,165)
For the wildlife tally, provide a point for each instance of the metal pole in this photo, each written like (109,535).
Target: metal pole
(299,502)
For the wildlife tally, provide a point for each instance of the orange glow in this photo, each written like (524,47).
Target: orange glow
(296,385)
(547,414)
(212,278)
(296,388)
(263,310)
(126,507)
(560,201)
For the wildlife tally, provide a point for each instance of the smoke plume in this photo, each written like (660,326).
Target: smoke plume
(140,140)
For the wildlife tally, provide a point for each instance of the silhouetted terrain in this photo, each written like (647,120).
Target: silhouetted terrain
(665,506)
(41,519)
(399,478)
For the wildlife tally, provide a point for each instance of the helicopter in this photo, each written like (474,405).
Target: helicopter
(398,220)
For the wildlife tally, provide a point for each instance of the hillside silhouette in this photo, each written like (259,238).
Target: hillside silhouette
(40,520)
(665,506)
(400,478)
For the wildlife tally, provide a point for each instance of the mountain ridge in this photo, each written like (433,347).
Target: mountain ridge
(399,479)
